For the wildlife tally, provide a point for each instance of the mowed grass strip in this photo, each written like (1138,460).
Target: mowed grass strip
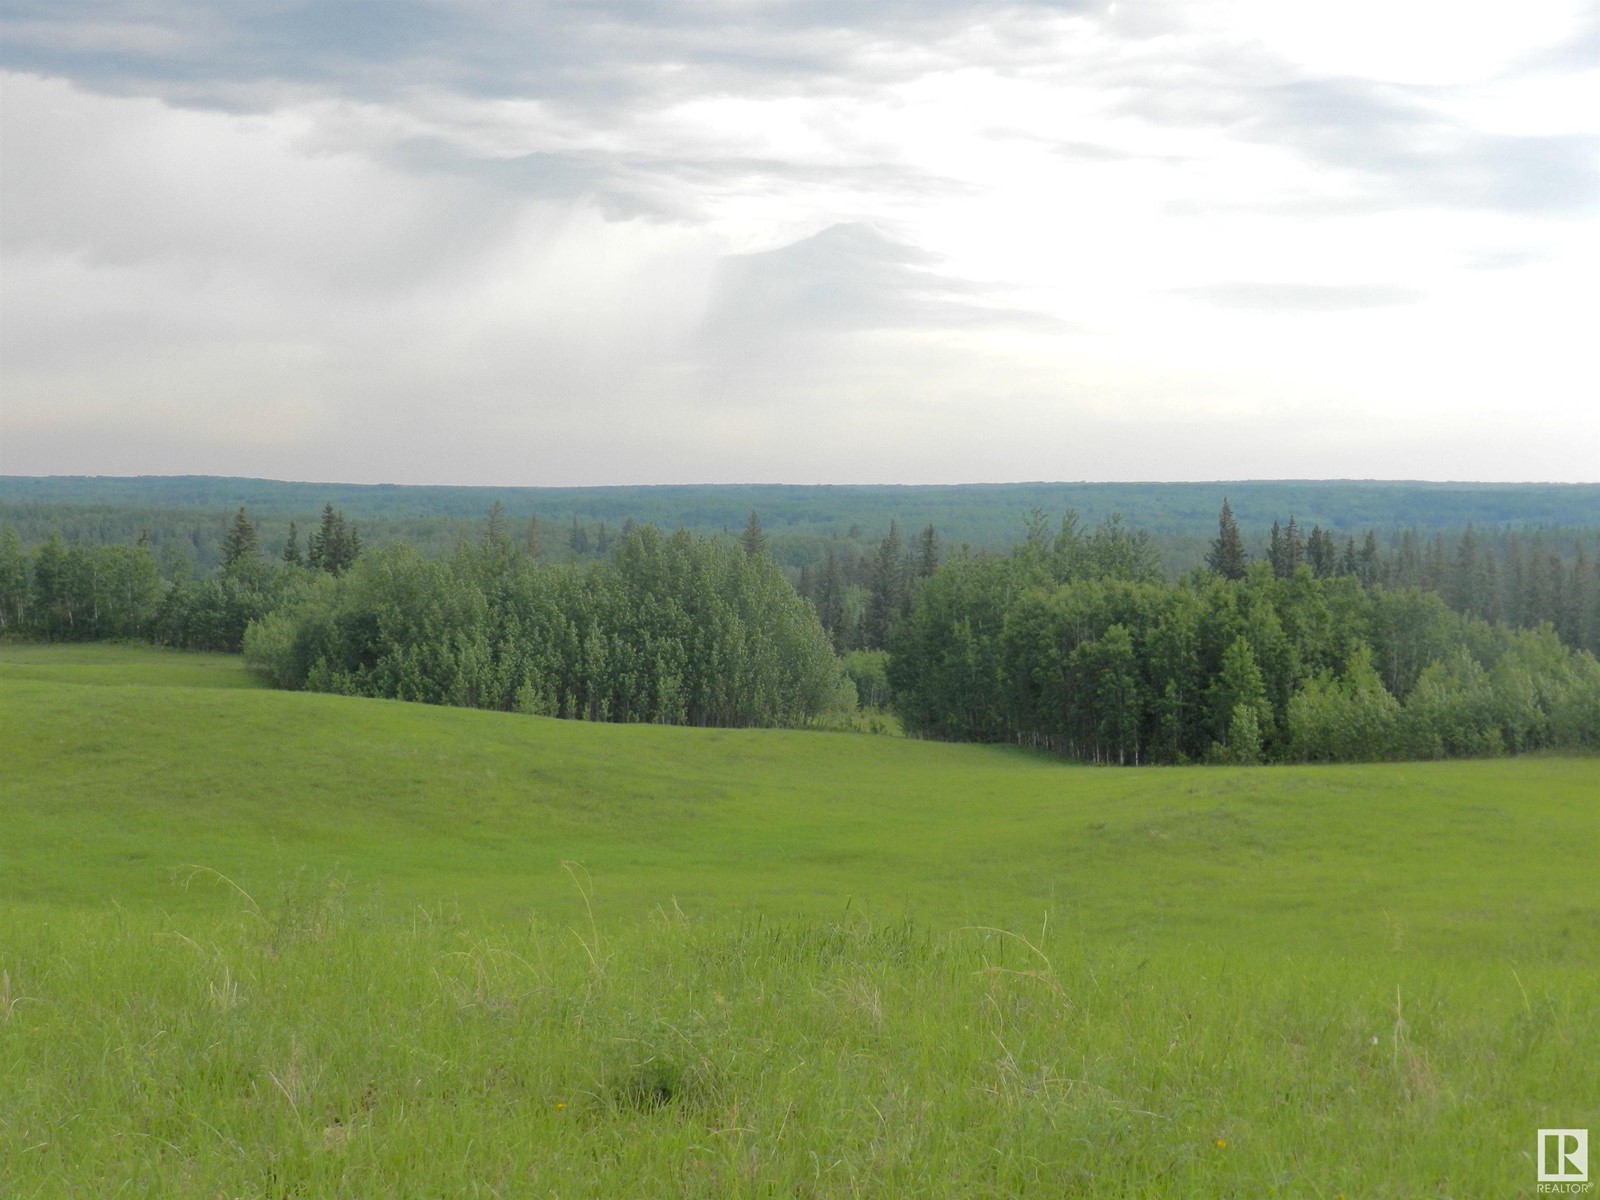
(262,944)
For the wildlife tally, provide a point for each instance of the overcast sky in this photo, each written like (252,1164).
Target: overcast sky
(479,241)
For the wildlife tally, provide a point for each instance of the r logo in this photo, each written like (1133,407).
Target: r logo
(1563,1155)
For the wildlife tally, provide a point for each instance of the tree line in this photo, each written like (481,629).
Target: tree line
(1243,662)
(1524,579)
(73,591)
(672,629)
(1074,641)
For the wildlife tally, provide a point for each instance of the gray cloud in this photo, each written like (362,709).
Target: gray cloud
(1414,156)
(595,62)
(605,53)
(302,230)
(849,278)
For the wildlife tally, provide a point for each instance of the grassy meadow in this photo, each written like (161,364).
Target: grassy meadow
(262,944)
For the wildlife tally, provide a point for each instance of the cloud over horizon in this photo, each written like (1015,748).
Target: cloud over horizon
(617,242)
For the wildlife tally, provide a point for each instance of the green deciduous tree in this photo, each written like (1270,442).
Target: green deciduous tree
(1238,686)
(14,589)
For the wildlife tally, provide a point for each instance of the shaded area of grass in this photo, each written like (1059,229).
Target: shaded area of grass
(131,664)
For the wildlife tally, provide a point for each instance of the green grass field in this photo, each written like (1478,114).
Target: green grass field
(262,944)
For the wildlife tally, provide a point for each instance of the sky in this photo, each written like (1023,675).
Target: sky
(707,241)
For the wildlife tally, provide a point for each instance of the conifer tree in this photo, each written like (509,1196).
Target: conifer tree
(291,547)
(1227,556)
(1367,563)
(578,539)
(830,601)
(533,538)
(753,540)
(334,546)
(1291,551)
(888,593)
(1323,553)
(1433,564)
(927,553)
(240,546)
(1348,563)
(495,536)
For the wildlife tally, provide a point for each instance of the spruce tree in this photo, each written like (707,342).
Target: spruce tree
(1292,550)
(1323,553)
(578,539)
(927,553)
(495,536)
(334,545)
(830,601)
(1367,563)
(886,599)
(291,547)
(753,540)
(1227,556)
(1433,564)
(240,546)
(1463,588)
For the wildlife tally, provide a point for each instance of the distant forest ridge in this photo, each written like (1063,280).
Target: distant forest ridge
(980,514)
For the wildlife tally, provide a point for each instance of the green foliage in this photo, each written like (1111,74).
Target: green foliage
(1227,556)
(674,630)
(890,591)
(1040,649)
(15,595)
(291,548)
(868,670)
(1243,745)
(75,592)
(241,547)
(1239,703)
(754,540)
(334,544)
(1346,719)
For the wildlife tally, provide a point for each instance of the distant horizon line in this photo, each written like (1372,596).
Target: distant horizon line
(1475,483)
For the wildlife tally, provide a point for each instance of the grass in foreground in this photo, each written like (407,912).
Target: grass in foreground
(793,980)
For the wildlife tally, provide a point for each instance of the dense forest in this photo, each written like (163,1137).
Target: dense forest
(1521,553)
(1294,645)
(673,629)
(185,518)
(1052,647)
